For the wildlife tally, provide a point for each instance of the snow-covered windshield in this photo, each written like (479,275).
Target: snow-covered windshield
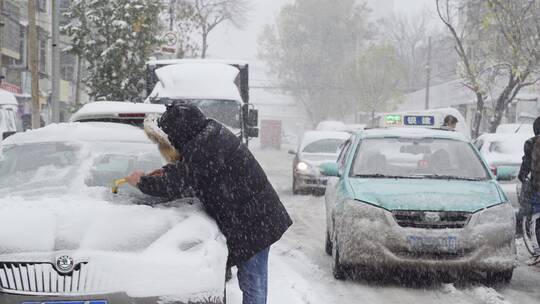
(419,158)
(225,111)
(506,147)
(56,164)
(324,146)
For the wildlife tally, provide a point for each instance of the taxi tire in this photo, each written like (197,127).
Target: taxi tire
(328,244)
(339,271)
(499,277)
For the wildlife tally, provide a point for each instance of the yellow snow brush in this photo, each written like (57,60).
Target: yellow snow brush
(116,184)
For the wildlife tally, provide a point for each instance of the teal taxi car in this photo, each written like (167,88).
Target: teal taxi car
(417,198)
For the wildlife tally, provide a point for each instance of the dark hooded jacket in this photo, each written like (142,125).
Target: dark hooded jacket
(527,161)
(226,178)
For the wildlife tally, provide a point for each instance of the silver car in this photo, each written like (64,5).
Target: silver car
(65,238)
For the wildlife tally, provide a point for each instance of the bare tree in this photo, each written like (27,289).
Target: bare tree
(497,42)
(408,35)
(206,15)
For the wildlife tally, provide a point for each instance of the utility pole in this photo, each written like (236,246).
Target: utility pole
(33,63)
(55,73)
(428,73)
(2,23)
(171,14)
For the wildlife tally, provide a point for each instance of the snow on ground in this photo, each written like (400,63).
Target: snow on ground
(301,273)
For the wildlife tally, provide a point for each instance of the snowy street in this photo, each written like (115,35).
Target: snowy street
(301,272)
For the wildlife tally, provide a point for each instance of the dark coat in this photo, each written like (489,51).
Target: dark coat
(527,159)
(220,170)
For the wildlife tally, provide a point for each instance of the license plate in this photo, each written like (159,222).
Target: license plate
(428,243)
(68,302)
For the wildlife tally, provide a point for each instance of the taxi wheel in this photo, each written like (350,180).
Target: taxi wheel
(339,271)
(328,244)
(499,277)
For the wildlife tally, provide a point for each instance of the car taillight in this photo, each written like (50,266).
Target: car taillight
(132,115)
(494,171)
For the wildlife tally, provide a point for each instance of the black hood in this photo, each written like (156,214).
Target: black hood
(182,122)
(536,126)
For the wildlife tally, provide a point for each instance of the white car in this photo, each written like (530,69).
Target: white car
(65,238)
(8,114)
(316,147)
(515,128)
(117,111)
(504,152)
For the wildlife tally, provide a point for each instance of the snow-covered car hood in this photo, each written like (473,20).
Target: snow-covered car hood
(429,195)
(144,251)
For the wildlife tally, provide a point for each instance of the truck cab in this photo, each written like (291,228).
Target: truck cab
(219,88)
(8,114)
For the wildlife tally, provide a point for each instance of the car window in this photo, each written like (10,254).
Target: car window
(326,146)
(343,155)
(418,158)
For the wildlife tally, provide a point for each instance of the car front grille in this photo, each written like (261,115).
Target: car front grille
(43,279)
(432,220)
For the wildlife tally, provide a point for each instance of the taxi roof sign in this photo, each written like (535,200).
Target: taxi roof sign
(393,120)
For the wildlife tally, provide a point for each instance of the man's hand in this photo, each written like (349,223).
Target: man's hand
(134,178)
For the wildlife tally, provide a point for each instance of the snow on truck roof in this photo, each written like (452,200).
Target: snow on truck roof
(114,108)
(412,132)
(197,80)
(75,131)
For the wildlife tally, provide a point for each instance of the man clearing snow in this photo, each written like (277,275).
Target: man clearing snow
(232,186)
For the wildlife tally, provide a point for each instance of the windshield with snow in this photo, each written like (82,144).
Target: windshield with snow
(226,112)
(418,158)
(62,164)
(324,146)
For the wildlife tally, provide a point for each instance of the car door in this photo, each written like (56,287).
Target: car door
(333,184)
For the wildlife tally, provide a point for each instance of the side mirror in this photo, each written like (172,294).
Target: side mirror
(507,173)
(7,134)
(251,116)
(292,152)
(329,169)
(252,132)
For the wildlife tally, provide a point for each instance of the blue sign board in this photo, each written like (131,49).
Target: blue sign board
(420,120)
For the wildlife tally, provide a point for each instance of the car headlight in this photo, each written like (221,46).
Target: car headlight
(500,214)
(302,166)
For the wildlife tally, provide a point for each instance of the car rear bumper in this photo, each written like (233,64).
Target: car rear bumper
(117,298)
(384,244)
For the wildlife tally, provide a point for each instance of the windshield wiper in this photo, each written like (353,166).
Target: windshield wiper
(448,177)
(382,176)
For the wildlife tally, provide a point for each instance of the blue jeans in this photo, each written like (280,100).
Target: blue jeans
(253,278)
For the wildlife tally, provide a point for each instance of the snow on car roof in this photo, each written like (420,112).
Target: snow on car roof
(75,131)
(515,128)
(412,132)
(331,125)
(7,98)
(313,136)
(201,80)
(113,108)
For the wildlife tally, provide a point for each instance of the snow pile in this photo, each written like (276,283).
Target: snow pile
(197,81)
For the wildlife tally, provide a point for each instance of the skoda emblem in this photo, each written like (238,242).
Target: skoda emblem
(432,217)
(64,264)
